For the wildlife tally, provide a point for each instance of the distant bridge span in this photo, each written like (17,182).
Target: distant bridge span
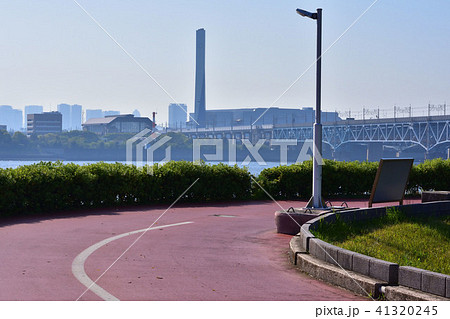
(427,132)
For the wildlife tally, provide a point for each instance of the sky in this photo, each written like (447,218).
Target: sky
(52,52)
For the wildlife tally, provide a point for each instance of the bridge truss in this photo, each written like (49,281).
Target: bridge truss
(427,132)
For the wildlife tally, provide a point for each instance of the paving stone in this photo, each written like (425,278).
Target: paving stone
(331,254)
(384,270)
(305,237)
(361,263)
(447,287)
(316,248)
(434,283)
(345,258)
(410,277)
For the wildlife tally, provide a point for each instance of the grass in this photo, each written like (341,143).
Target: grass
(417,242)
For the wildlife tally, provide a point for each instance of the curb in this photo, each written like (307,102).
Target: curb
(337,265)
(360,284)
(324,271)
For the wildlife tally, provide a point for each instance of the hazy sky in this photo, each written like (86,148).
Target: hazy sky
(52,52)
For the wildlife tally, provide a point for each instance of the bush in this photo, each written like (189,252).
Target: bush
(430,175)
(285,182)
(345,179)
(339,179)
(51,187)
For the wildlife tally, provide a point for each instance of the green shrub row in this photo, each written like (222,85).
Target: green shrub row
(49,187)
(345,179)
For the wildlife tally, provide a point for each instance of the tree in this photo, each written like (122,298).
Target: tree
(5,138)
(20,139)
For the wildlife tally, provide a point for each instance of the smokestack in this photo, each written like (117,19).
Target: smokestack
(154,120)
(200,99)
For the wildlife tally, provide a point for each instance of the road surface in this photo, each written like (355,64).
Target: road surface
(227,251)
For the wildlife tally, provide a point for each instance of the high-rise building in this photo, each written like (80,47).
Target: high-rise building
(71,116)
(44,123)
(177,115)
(93,114)
(64,109)
(10,117)
(75,117)
(200,98)
(31,109)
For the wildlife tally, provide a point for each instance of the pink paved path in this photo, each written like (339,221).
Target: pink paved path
(213,258)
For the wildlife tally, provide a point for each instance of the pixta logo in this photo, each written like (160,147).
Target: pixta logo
(253,150)
(148,142)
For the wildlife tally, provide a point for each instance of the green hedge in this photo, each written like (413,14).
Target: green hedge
(345,179)
(50,187)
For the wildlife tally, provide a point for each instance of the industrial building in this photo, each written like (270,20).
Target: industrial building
(127,123)
(97,113)
(262,116)
(203,118)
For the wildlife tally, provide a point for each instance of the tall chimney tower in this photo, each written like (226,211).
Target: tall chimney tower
(154,121)
(200,99)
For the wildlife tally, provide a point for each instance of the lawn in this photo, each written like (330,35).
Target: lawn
(417,242)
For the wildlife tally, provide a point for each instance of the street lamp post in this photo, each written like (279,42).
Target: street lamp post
(316,199)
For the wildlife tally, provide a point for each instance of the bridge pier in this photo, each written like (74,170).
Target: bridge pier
(374,152)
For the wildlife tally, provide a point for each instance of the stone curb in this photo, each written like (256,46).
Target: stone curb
(415,284)
(319,269)
(355,281)
(400,293)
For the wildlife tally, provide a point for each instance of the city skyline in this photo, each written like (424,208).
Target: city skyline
(73,116)
(394,55)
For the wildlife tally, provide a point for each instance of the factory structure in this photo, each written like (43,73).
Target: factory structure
(203,118)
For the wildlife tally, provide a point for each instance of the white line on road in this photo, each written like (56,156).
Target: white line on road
(78,263)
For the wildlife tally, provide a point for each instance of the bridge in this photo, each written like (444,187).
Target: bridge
(427,132)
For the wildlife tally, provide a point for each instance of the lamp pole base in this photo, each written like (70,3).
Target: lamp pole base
(315,204)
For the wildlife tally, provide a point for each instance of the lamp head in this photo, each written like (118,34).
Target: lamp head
(307,14)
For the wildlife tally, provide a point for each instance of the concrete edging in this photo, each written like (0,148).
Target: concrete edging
(315,257)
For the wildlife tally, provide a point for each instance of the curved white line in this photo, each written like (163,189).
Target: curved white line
(78,263)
